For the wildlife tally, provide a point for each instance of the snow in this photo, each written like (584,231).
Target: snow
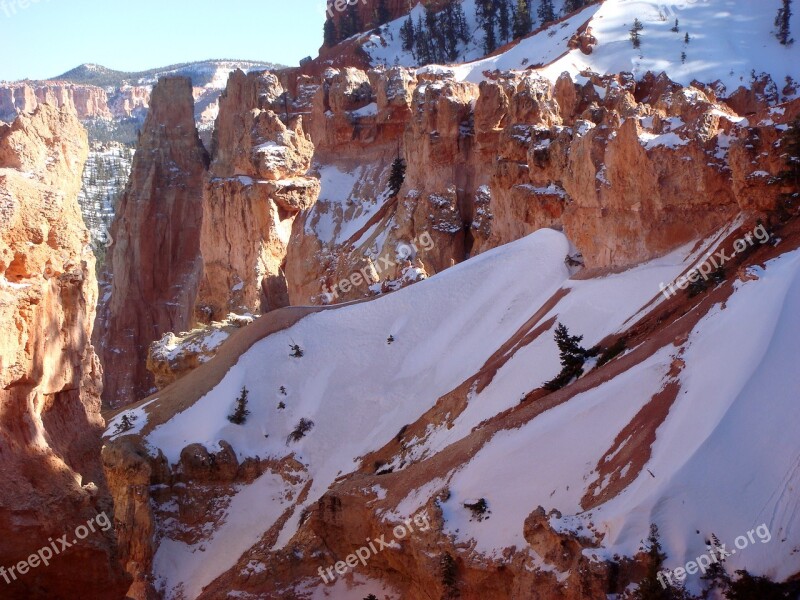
(729,40)
(369,110)
(669,140)
(345,203)
(434,345)
(738,360)
(185,567)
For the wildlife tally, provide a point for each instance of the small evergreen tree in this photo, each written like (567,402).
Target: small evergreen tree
(546,12)
(329,33)
(716,576)
(636,39)
(462,29)
(281,405)
(300,431)
(782,23)
(434,28)
(650,588)
(486,16)
(572,356)
(125,424)
(504,20)
(397,176)
(675,27)
(573,5)
(423,43)
(752,587)
(297,351)
(240,412)
(686,38)
(523,22)
(390,339)
(350,23)
(407,35)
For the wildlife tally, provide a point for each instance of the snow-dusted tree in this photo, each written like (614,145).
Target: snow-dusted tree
(397,176)
(573,5)
(523,23)
(436,34)
(782,23)
(636,39)
(546,12)
(240,412)
(422,41)
(486,15)
(504,20)
(407,34)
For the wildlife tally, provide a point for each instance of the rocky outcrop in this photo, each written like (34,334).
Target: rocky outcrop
(256,185)
(154,258)
(617,164)
(50,393)
(87,101)
(173,356)
(129,101)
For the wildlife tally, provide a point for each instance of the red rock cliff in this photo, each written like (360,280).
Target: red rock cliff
(50,423)
(154,260)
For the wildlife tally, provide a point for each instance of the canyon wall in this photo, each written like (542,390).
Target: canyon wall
(154,259)
(255,187)
(50,423)
(88,101)
(618,165)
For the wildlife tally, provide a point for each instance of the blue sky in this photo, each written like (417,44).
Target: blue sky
(44,38)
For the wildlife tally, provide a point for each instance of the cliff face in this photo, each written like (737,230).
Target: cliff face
(86,100)
(50,422)
(154,259)
(617,164)
(256,185)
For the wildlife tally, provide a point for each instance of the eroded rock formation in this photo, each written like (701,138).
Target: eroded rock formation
(255,187)
(154,259)
(50,423)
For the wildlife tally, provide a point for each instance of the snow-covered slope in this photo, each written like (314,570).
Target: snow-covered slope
(708,468)
(729,41)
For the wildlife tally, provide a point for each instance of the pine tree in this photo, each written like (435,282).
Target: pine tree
(715,575)
(486,15)
(546,12)
(686,38)
(453,24)
(423,43)
(571,355)
(397,176)
(782,23)
(462,29)
(407,35)
(504,20)
(435,35)
(573,5)
(240,413)
(636,39)
(675,27)
(382,14)
(522,19)
(329,33)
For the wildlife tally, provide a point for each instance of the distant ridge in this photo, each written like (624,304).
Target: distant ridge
(201,72)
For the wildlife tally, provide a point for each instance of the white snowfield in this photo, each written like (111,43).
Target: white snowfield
(726,459)
(729,40)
